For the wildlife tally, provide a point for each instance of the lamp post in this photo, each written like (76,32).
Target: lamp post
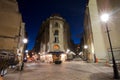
(105,18)
(85,47)
(25,41)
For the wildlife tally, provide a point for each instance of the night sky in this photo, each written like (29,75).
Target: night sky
(34,12)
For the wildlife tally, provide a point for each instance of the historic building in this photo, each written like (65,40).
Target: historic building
(88,48)
(95,36)
(12,28)
(54,36)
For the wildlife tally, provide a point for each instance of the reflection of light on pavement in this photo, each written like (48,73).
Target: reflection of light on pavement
(30,64)
(77,62)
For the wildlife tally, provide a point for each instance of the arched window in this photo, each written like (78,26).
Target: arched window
(56,38)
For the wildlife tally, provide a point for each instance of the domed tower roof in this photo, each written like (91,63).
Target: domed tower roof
(56,15)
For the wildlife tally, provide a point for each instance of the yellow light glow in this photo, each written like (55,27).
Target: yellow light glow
(56,47)
(27,56)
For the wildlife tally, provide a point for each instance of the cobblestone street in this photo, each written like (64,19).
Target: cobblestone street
(73,70)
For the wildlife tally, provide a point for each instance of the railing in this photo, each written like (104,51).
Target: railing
(116,52)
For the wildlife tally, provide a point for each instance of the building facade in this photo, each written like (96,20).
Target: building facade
(12,28)
(100,49)
(88,38)
(54,36)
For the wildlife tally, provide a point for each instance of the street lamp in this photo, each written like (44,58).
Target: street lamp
(105,18)
(25,40)
(26,51)
(86,54)
(85,46)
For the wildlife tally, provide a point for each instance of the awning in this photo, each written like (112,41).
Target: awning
(56,52)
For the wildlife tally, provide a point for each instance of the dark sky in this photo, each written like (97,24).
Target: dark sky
(34,12)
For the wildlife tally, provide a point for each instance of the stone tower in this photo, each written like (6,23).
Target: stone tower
(56,34)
